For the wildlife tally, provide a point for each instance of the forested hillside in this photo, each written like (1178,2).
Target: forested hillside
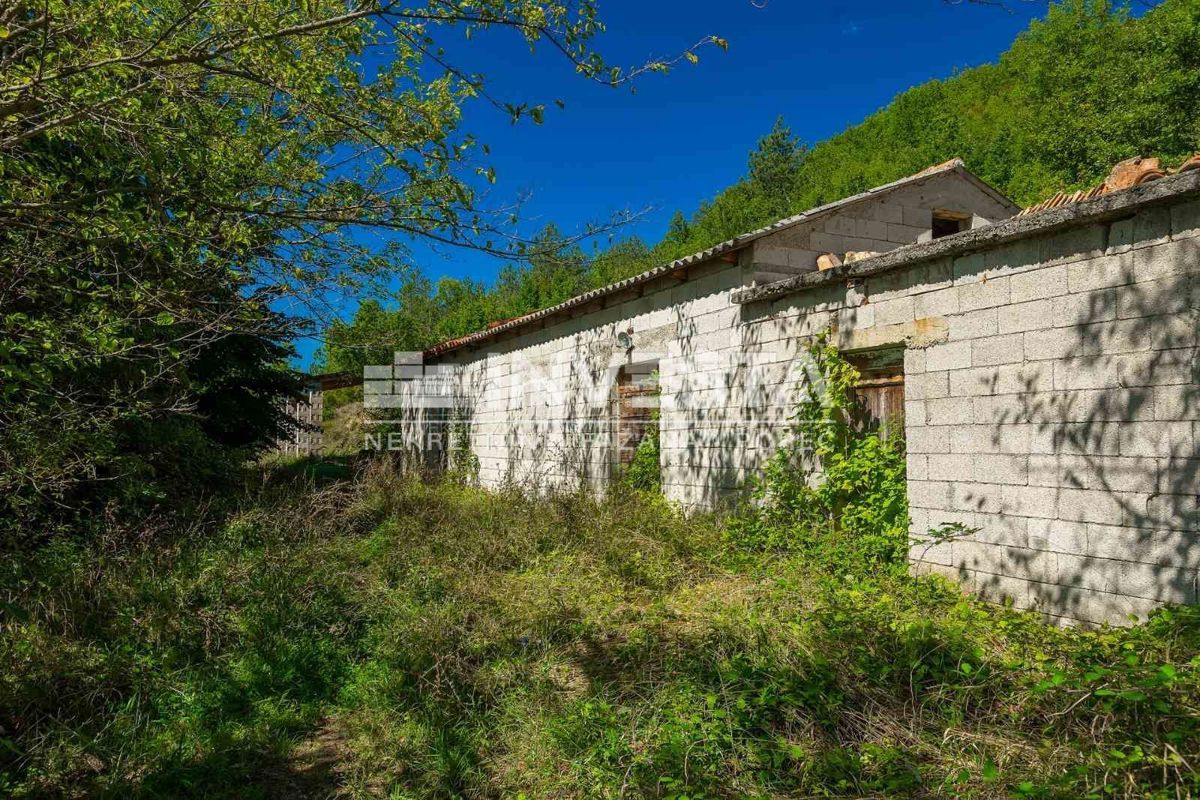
(1086,87)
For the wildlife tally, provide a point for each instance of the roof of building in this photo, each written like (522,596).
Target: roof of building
(1114,199)
(723,249)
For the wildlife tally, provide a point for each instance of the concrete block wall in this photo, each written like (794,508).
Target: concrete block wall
(1052,409)
(898,217)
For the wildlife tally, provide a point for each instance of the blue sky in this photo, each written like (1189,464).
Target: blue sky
(681,138)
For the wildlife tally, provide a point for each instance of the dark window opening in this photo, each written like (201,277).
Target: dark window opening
(946,223)
(636,408)
(879,392)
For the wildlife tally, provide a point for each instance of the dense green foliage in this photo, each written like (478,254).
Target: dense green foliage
(836,490)
(1080,90)
(386,638)
(181,182)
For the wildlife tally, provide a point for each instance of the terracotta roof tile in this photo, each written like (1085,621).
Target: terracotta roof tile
(1128,173)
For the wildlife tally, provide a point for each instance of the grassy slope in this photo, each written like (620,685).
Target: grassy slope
(385,638)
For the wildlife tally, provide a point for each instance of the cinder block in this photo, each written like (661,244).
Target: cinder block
(914,361)
(943,467)
(1074,244)
(999,589)
(1005,409)
(1178,512)
(1024,378)
(1054,343)
(1025,316)
(1059,536)
(918,467)
(1156,439)
(1029,501)
(1038,284)
(949,411)
(983,294)
(974,325)
(952,355)
(1177,402)
(928,439)
(921,218)
(974,382)
(1185,220)
(1100,273)
(985,500)
(1084,308)
(994,350)
(939,303)
(984,439)
(1006,469)
(889,312)
(1120,236)
(915,413)
(970,269)
(1152,226)
(929,494)
(927,385)
(1091,505)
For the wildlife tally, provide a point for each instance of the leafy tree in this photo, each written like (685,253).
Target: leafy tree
(176,175)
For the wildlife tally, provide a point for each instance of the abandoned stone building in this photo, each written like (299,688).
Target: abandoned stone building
(1041,365)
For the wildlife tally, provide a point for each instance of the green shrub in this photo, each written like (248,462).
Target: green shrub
(386,637)
(834,491)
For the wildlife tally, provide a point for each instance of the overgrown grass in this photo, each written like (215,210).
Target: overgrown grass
(387,638)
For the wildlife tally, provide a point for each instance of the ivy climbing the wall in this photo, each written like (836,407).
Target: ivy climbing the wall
(835,490)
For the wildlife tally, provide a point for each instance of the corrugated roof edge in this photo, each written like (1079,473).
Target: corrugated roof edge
(736,243)
(1099,209)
